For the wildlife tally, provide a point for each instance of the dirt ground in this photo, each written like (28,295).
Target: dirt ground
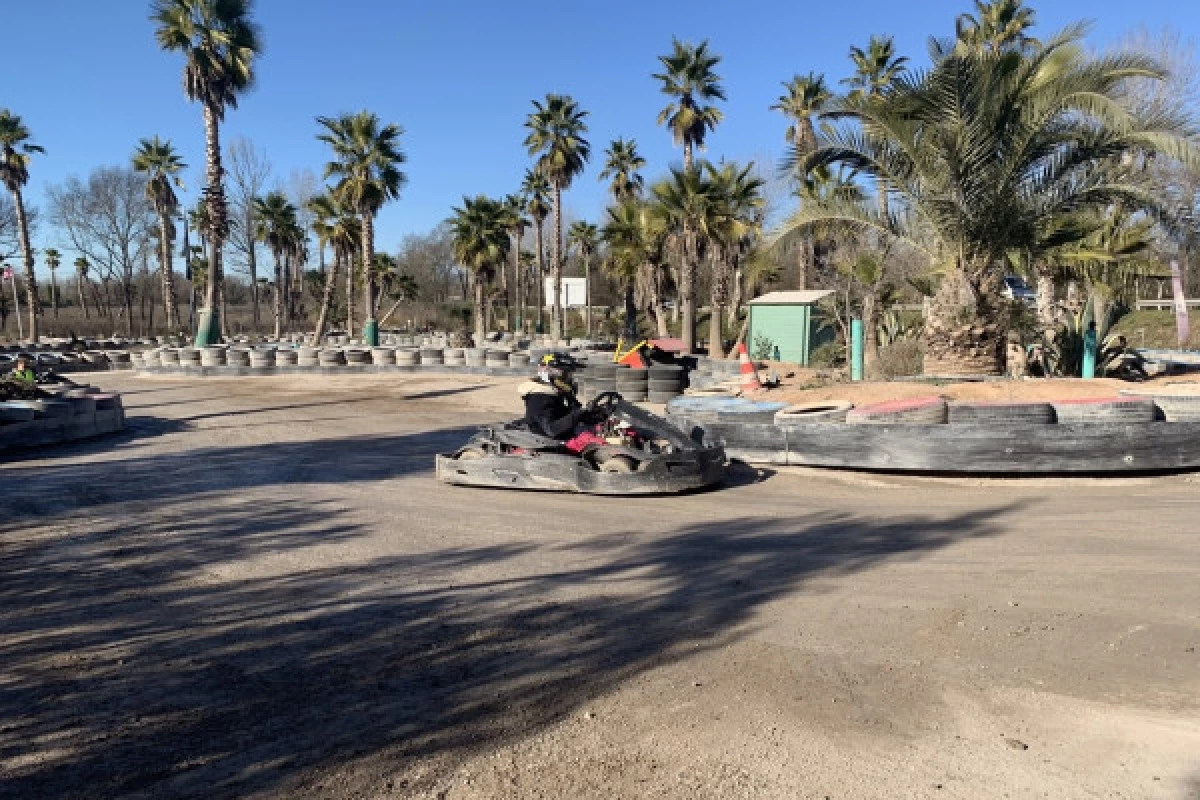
(259,591)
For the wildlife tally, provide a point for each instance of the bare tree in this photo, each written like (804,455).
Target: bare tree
(10,245)
(110,222)
(249,170)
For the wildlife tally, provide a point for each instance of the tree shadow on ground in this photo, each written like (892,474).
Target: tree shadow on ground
(49,489)
(156,664)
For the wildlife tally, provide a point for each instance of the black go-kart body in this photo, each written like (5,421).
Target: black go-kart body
(648,456)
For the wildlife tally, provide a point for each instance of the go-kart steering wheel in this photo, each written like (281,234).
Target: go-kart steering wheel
(605,401)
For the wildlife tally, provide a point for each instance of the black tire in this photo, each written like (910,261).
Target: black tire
(664,385)
(1172,406)
(633,397)
(813,412)
(913,411)
(602,371)
(620,465)
(662,398)
(1107,410)
(1000,414)
(664,372)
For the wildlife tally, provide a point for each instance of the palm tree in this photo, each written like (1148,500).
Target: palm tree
(876,71)
(586,238)
(161,165)
(622,165)
(53,262)
(81,272)
(687,202)
(736,225)
(480,233)
(536,191)
(514,207)
(635,239)
(219,43)
(16,151)
(987,151)
(689,80)
(805,96)
(337,226)
(556,130)
(367,159)
(275,220)
(997,25)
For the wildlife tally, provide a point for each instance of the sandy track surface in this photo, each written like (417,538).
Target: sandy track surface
(260,591)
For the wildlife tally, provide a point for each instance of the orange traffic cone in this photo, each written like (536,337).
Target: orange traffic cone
(750,381)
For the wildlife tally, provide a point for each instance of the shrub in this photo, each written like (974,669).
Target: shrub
(902,358)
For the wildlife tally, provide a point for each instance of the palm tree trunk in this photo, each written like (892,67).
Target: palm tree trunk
(370,331)
(31,292)
(735,303)
(870,334)
(327,299)
(556,314)
(480,320)
(587,294)
(630,314)
(687,290)
(279,289)
(804,261)
(716,347)
(541,270)
(1047,318)
(350,297)
(687,155)
(957,347)
(252,261)
(656,302)
(215,199)
(518,283)
(167,274)
(54,292)
(82,297)
(675,277)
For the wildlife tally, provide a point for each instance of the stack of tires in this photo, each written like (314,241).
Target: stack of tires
(287,357)
(331,357)
(407,357)
(357,356)
(383,356)
(475,356)
(237,357)
(307,357)
(666,381)
(496,359)
(185,357)
(432,355)
(212,357)
(261,358)
(633,383)
(597,379)
(518,360)
(454,357)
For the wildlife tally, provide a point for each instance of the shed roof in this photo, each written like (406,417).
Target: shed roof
(806,298)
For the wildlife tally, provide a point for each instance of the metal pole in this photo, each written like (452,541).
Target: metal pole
(1088,368)
(856,350)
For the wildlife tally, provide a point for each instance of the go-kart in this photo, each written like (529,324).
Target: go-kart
(641,454)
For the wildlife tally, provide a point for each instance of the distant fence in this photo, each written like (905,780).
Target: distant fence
(1163,305)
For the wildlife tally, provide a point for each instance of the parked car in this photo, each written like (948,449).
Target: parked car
(1016,289)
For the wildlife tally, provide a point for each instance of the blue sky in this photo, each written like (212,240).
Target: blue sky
(89,81)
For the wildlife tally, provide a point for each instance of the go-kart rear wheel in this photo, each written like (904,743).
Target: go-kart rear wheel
(470,454)
(622,465)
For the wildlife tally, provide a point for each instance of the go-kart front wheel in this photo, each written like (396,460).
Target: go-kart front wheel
(621,465)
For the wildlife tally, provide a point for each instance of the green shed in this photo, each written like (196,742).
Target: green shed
(785,322)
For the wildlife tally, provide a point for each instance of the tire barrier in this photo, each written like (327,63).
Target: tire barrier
(1174,404)
(1104,409)
(407,357)
(187,357)
(168,358)
(806,413)
(475,356)
(454,357)
(495,359)
(82,415)
(237,357)
(518,360)
(1000,413)
(355,356)
(120,358)
(308,357)
(432,355)
(212,357)
(331,358)
(287,357)
(261,359)
(911,411)
(152,358)
(382,356)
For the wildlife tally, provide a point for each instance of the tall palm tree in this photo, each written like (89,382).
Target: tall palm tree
(337,226)
(876,71)
(275,220)
(161,165)
(622,169)
(514,207)
(988,150)
(219,43)
(736,224)
(687,202)
(586,238)
(480,234)
(556,130)
(53,262)
(16,151)
(996,25)
(689,79)
(635,238)
(804,97)
(81,273)
(367,159)
(535,188)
